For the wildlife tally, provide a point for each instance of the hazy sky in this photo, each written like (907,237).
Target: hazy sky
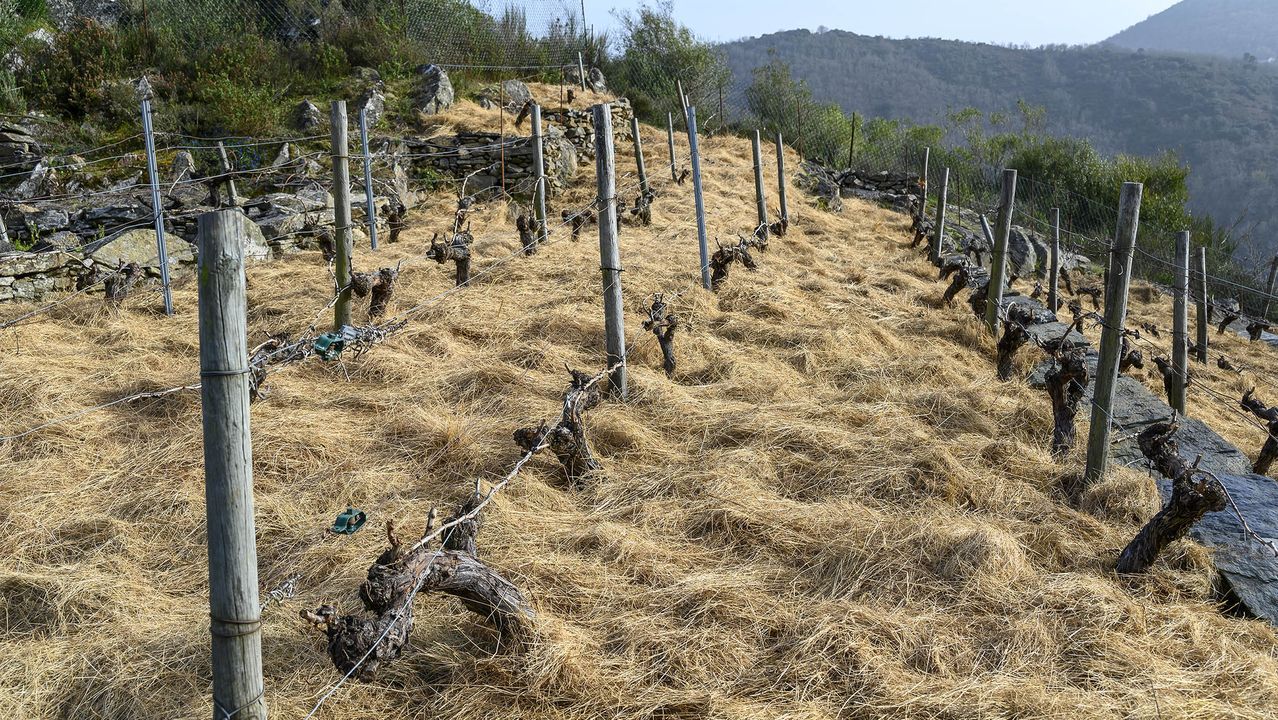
(1000,21)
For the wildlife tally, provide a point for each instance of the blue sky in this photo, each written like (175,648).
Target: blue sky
(1034,22)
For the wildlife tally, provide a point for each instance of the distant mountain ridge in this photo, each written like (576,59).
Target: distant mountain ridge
(1226,28)
(1219,116)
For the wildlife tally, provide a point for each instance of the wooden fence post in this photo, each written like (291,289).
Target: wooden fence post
(696,194)
(1204,317)
(581,71)
(938,234)
(1054,274)
(1120,270)
(638,141)
(341,214)
(674,175)
(609,253)
(927,157)
(760,201)
(370,207)
(683,99)
(785,206)
(234,610)
(1270,286)
(852,142)
(539,168)
(233,195)
(1180,326)
(998,265)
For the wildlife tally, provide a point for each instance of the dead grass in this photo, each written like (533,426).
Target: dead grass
(834,510)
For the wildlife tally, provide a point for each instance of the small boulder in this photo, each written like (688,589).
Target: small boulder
(434,92)
(307,117)
(516,92)
(595,80)
(183,166)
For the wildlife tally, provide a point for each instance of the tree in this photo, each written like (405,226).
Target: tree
(656,52)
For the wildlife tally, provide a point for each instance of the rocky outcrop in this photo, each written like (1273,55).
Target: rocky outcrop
(19,150)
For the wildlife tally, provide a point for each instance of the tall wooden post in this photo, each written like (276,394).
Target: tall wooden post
(234,610)
(1054,274)
(785,206)
(998,265)
(639,167)
(1120,270)
(670,141)
(1180,326)
(539,168)
(341,214)
(760,201)
(609,253)
(683,99)
(1204,317)
(1269,287)
(233,198)
(581,70)
(702,241)
(370,207)
(927,157)
(938,235)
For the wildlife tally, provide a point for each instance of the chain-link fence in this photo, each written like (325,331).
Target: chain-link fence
(485,33)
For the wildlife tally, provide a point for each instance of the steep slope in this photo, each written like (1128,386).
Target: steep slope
(832,510)
(1228,28)
(1220,117)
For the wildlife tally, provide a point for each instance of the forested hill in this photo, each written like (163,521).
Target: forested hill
(1219,116)
(1229,28)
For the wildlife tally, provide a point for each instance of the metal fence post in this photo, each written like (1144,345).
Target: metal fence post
(696,194)
(341,214)
(927,157)
(234,610)
(1180,326)
(998,265)
(157,206)
(539,168)
(370,207)
(1269,287)
(1054,275)
(1120,271)
(609,253)
(1204,315)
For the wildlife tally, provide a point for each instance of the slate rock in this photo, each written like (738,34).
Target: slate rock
(136,246)
(517,93)
(434,92)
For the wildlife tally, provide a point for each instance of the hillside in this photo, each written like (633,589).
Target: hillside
(832,510)
(1228,28)
(1219,117)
